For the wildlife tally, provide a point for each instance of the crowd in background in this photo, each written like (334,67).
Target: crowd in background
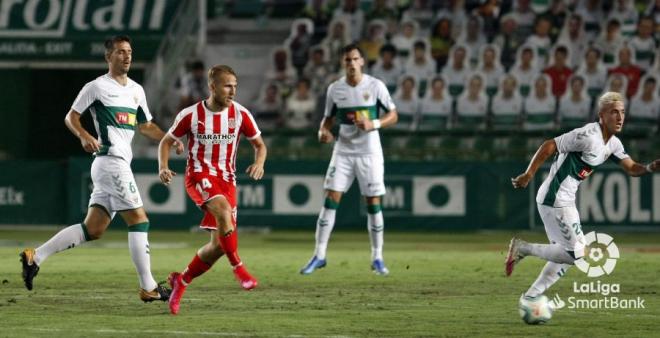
(473,64)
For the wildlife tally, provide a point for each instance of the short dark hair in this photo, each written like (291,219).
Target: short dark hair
(387,48)
(197,65)
(111,41)
(650,79)
(351,47)
(419,45)
(216,70)
(562,49)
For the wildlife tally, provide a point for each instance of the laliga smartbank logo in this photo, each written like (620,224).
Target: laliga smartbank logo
(595,262)
(600,258)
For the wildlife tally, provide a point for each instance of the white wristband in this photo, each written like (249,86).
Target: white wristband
(648,168)
(376,124)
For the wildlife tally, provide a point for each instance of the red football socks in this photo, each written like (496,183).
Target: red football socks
(196,268)
(229,244)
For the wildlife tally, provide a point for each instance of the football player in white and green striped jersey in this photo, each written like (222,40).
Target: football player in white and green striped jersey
(580,151)
(119,108)
(362,105)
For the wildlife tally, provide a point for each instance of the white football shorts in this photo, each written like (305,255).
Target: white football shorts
(369,170)
(114,185)
(562,225)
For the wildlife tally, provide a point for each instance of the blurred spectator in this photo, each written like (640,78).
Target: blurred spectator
(472,106)
(490,68)
(573,37)
(435,108)
(507,105)
(299,42)
(407,103)
(420,12)
(374,40)
(525,17)
(627,67)
(317,11)
(643,43)
(387,68)
(384,10)
(403,40)
(441,41)
(575,105)
(593,72)
(624,11)
(267,108)
(556,15)
(489,12)
(351,13)
(592,14)
(337,38)
(508,40)
(558,71)
(194,86)
(300,105)
(281,72)
(653,10)
(457,70)
(645,106)
(454,10)
(525,69)
(540,106)
(317,69)
(616,83)
(472,38)
(540,40)
(420,65)
(610,41)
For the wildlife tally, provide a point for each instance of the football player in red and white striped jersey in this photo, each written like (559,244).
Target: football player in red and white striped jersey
(213,128)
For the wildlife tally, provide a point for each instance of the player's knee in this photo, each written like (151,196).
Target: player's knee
(95,233)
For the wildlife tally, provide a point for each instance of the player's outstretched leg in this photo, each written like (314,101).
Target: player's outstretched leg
(30,268)
(67,238)
(229,244)
(513,256)
(550,274)
(324,225)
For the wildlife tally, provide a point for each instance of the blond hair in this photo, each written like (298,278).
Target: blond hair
(609,98)
(216,70)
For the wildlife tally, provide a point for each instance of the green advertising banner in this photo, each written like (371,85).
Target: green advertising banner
(420,196)
(32,192)
(68,30)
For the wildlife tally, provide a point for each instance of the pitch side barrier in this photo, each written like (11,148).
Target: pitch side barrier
(420,196)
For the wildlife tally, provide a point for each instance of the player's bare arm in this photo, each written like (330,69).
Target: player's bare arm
(153,131)
(325,135)
(88,142)
(389,119)
(256,169)
(164,147)
(547,149)
(636,169)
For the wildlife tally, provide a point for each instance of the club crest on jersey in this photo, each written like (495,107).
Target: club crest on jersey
(125,118)
(136,99)
(366,96)
(585,172)
(231,123)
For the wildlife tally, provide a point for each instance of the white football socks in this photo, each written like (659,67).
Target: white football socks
(138,245)
(549,275)
(375,226)
(324,227)
(67,238)
(550,252)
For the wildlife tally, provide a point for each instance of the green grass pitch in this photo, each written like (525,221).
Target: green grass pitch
(441,284)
